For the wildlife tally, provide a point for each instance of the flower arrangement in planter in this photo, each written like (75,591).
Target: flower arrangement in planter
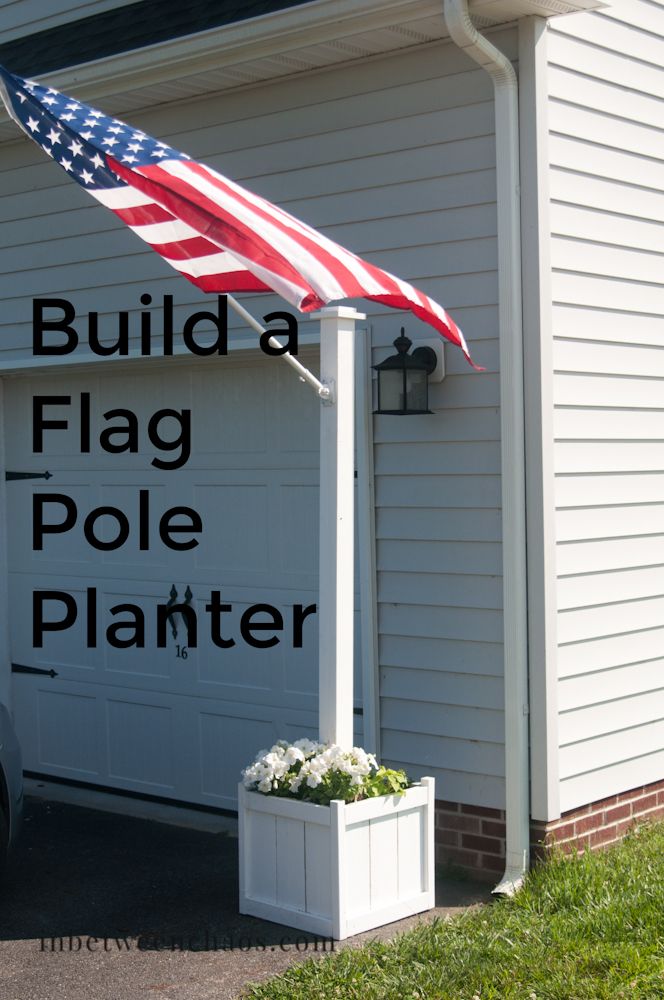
(321,772)
(331,841)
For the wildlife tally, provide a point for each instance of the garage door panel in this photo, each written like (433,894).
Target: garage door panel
(59,729)
(68,727)
(222,742)
(69,547)
(300,674)
(296,413)
(131,757)
(148,667)
(258,532)
(219,407)
(237,527)
(143,392)
(224,734)
(297,538)
(68,552)
(125,497)
(240,668)
(64,651)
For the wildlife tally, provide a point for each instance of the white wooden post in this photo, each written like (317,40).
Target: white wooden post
(337,538)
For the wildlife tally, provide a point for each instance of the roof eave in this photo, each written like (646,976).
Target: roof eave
(318,33)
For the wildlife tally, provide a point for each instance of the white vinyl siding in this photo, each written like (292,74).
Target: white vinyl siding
(393,157)
(606,119)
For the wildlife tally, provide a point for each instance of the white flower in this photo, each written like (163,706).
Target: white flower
(305,763)
(307,746)
(293,754)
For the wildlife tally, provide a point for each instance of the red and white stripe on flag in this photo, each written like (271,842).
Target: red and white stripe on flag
(224,238)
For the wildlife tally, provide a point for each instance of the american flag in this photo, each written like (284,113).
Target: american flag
(219,235)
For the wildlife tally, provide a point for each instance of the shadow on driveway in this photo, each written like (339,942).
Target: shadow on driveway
(104,905)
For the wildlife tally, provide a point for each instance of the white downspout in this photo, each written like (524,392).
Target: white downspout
(501,71)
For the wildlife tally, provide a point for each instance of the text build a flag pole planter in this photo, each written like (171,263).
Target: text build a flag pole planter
(347,867)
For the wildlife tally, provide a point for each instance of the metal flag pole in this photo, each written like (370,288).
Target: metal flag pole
(323,391)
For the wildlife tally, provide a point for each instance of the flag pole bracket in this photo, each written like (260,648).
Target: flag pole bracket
(327,393)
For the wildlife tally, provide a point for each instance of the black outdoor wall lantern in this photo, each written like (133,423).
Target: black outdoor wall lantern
(403,379)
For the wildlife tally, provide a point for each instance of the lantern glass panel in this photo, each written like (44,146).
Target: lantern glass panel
(417,391)
(391,388)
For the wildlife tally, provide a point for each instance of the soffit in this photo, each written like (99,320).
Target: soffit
(311,36)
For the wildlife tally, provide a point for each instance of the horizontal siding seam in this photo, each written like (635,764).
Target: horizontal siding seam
(596,144)
(566,103)
(625,25)
(623,88)
(612,310)
(613,571)
(612,538)
(611,635)
(455,639)
(622,760)
(611,440)
(623,698)
(607,670)
(589,242)
(613,277)
(611,604)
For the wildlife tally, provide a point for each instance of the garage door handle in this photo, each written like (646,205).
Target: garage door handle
(19,668)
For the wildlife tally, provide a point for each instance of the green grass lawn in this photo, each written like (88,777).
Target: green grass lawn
(586,927)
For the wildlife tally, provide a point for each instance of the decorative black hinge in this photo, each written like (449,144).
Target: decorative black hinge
(9,476)
(171,618)
(19,668)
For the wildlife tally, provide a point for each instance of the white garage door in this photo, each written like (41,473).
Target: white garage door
(152,720)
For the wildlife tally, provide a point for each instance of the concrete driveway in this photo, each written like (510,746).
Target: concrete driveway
(115,907)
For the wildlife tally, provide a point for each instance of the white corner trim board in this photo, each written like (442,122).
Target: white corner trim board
(538,391)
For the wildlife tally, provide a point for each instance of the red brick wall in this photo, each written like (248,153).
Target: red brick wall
(602,822)
(473,837)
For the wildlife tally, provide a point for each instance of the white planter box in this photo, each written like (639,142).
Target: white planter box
(340,869)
